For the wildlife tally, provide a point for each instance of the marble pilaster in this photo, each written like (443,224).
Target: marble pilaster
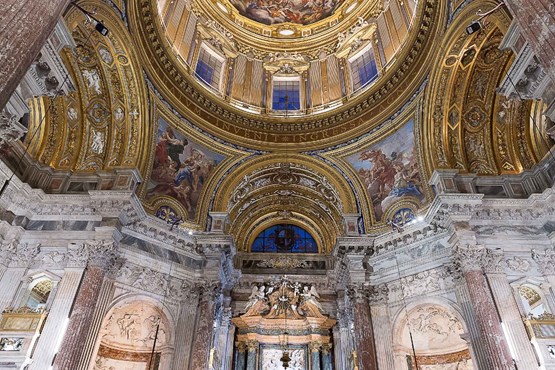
(315,355)
(102,257)
(9,285)
(241,356)
(185,330)
(382,327)
(204,331)
(509,313)
(25,26)
(252,355)
(363,333)
(326,357)
(495,344)
(51,337)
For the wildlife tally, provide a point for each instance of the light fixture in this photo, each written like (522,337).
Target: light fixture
(420,218)
(351,7)
(99,26)
(286,32)
(222,7)
(473,27)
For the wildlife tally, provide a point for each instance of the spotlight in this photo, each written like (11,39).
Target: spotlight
(473,27)
(420,218)
(101,29)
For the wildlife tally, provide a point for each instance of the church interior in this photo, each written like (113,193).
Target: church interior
(277,184)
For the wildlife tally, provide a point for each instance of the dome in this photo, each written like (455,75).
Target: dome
(282,71)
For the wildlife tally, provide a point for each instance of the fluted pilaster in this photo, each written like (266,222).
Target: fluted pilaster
(185,331)
(50,340)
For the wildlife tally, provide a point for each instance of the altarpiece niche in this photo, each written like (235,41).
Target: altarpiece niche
(283,316)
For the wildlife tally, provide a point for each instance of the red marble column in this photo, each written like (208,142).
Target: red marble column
(536,20)
(25,26)
(364,335)
(470,260)
(82,315)
(203,333)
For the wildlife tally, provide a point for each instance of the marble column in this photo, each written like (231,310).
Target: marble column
(252,354)
(326,357)
(470,259)
(536,19)
(185,330)
(90,346)
(56,323)
(477,352)
(382,327)
(503,295)
(342,336)
(364,336)
(102,255)
(204,331)
(240,359)
(315,355)
(25,25)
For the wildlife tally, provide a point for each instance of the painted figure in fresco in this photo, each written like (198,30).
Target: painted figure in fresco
(180,169)
(280,11)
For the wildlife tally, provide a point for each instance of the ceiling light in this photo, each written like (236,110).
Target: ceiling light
(222,7)
(351,7)
(286,32)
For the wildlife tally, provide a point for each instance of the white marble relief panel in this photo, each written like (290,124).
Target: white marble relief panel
(133,327)
(435,330)
(271,359)
(461,365)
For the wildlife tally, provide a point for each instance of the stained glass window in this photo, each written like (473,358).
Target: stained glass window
(208,68)
(364,69)
(286,95)
(284,238)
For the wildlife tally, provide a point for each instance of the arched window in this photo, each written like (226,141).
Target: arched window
(284,238)
(38,294)
(531,300)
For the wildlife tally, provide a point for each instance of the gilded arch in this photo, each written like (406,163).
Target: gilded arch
(466,125)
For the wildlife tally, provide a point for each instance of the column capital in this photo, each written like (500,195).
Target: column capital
(493,261)
(315,346)
(378,294)
(469,257)
(252,345)
(16,254)
(241,346)
(545,260)
(358,292)
(326,348)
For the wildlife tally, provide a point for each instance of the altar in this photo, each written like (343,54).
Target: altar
(283,320)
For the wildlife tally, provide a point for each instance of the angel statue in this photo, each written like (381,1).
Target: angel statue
(256,303)
(310,306)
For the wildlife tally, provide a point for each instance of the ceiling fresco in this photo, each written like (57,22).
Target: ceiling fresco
(280,11)
(389,170)
(181,168)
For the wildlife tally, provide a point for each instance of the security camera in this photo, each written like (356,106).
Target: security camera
(473,27)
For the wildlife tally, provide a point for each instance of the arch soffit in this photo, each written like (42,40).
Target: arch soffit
(250,167)
(118,118)
(462,125)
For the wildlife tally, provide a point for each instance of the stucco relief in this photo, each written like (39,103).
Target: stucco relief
(133,327)
(435,331)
